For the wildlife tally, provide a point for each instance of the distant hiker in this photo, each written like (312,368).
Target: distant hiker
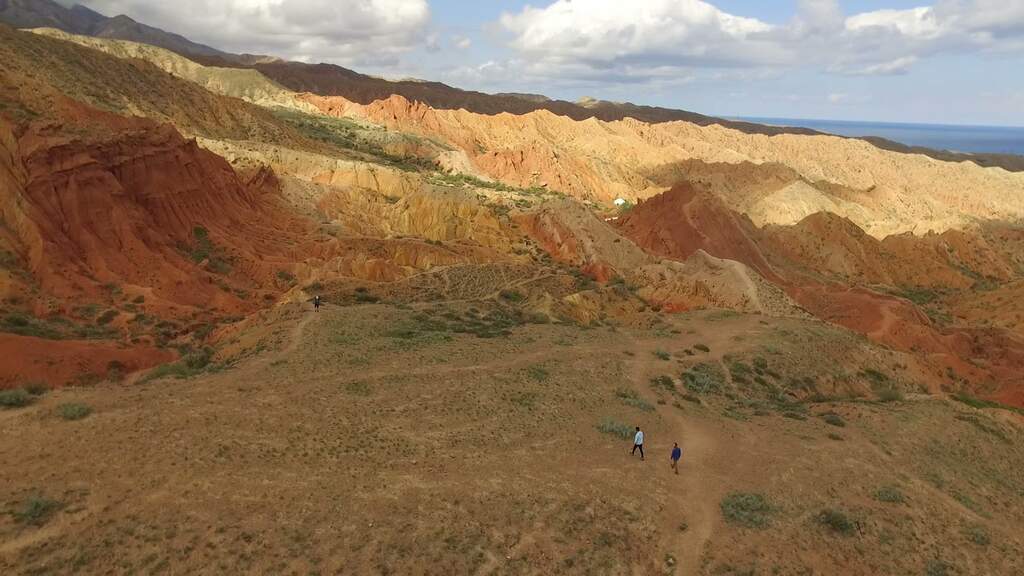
(638,442)
(316,303)
(677,453)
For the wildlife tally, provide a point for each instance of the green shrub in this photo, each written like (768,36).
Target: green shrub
(890,494)
(74,411)
(664,382)
(978,535)
(37,388)
(662,355)
(702,348)
(837,521)
(746,509)
(833,419)
(198,360)
(631,398)
(512,296)
(609,426)
(538,373)
(107,317)
(366,298)
(191,364)
(704,378)
(890,395)
(36,510)
(980,403)
(17,398)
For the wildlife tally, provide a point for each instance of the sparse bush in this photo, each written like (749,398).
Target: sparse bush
(702,348)
(37,388)
(937,568)
(980,403)
(538,373)
(837,521)
(198,360)
(631,398)
(16,398)
(36,510)
(704,378)
(107,317)
(691,398)
(746,509)
(662,355)
(609,426)
(794,415)
(512,295)
(739,372)
(191,364)
(74,411)
(874,376)
(890,395)
(833,419)
(664,382)
(526,400)
(889,494)
(836,437)
(978,534)
(358,388)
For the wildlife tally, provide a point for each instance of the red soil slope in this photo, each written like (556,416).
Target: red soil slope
(826,264)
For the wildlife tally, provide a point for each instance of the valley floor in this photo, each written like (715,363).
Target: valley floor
(372,439)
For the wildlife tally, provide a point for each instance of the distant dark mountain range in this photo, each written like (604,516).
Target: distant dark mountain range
(81,20)
(333,80)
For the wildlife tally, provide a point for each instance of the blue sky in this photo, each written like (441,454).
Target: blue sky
(932,61)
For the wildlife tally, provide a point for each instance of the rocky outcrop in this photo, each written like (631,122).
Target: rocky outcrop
(882,192)
(573,235)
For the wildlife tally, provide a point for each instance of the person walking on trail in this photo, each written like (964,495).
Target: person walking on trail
(677,453)
(316,303)
(638,443)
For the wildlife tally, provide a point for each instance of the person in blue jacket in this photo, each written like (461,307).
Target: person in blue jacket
(677,453)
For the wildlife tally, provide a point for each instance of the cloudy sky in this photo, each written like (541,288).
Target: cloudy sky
(938,61)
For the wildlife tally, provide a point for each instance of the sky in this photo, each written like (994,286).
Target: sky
(928,61)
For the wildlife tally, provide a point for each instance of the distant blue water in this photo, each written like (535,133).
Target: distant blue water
(978,139)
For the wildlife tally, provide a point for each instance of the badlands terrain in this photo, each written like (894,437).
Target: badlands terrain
(831,328)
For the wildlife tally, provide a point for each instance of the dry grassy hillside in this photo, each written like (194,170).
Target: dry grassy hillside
(38,71)
(242,83)
(376,439)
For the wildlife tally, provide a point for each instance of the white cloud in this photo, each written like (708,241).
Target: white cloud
(343,31)
(461,42)
(837,98)
(914,23)
(610,33)
(593,37)
(893,67)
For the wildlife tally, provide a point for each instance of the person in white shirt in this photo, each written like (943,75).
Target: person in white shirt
(638,442)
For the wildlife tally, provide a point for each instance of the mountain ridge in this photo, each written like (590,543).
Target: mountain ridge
(332,80)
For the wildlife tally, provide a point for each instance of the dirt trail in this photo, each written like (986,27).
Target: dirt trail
(692,494)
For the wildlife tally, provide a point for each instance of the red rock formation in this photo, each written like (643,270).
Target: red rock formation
(826,263)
